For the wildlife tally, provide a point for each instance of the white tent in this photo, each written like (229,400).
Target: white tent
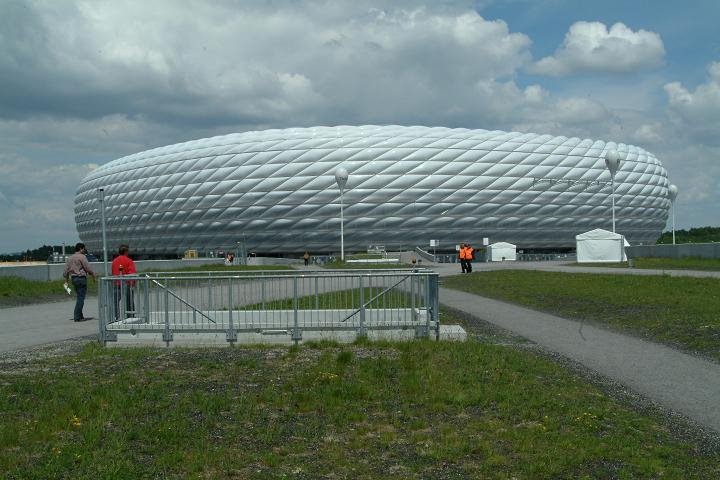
(499,251)
(600,246)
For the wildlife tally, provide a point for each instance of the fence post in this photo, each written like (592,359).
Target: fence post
(104,313)
(434,304)
(210,296)
(362,332)
(412,294)
(167,333)
(147,299)
(122,313)
(262,292)
(296,334)
(317,294)
(231,333)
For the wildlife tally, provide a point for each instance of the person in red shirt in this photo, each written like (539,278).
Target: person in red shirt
(123,265)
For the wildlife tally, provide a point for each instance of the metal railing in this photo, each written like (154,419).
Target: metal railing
(545,257)
(269,303)
(424,254)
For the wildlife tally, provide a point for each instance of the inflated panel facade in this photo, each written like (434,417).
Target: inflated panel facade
(276,190)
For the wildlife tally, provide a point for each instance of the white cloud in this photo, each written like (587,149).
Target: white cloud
(697,112)
(590,47)
(648,133)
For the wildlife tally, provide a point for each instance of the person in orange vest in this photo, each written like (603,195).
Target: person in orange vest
(463,258)
(469,257)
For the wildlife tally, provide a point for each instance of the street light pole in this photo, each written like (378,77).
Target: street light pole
(101,192)
(341,177)
(612,162)
(672,194)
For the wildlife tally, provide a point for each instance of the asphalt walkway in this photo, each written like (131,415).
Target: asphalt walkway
(41,323)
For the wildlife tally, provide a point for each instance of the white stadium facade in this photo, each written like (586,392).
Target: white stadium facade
(276,191)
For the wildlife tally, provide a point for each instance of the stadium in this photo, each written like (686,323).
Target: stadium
(275,190)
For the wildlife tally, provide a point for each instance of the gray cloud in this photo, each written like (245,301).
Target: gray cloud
(229,65)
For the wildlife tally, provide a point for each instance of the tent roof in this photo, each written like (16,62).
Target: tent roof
(598,234)
(502,245)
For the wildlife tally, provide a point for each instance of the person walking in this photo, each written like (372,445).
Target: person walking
(469,257)
(76,271)
(123,265)
(463,260)
(306,257)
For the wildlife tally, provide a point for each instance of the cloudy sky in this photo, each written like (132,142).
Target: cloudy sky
(85,82)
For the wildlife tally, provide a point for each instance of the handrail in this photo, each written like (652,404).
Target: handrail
(388,272)
(188,304)
(426,255)
(209,302)
(374,298)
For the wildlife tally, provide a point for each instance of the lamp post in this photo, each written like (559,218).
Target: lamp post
(612,162)
(341,177)
(672,194)
(101,193)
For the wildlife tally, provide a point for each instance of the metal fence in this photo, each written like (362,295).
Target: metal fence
(680,250)
(277,303)
(546,257)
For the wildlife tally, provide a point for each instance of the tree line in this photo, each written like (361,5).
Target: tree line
(694,235)
(37,254)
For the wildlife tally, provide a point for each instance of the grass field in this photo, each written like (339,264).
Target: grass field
(228,268)
(679,311)
(16,291)
(340,265)
(691,263)
(412,410)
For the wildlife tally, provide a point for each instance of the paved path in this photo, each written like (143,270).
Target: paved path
(41,323)
(677,381)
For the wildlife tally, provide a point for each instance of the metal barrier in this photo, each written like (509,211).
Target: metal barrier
(424,254)
(545,257)
(274,303)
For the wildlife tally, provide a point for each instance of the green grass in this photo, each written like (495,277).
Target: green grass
(366,256)
(340,265)
(15,291)
(340,299)
(412,410)
(683,312)
(688,263)
(224,268)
